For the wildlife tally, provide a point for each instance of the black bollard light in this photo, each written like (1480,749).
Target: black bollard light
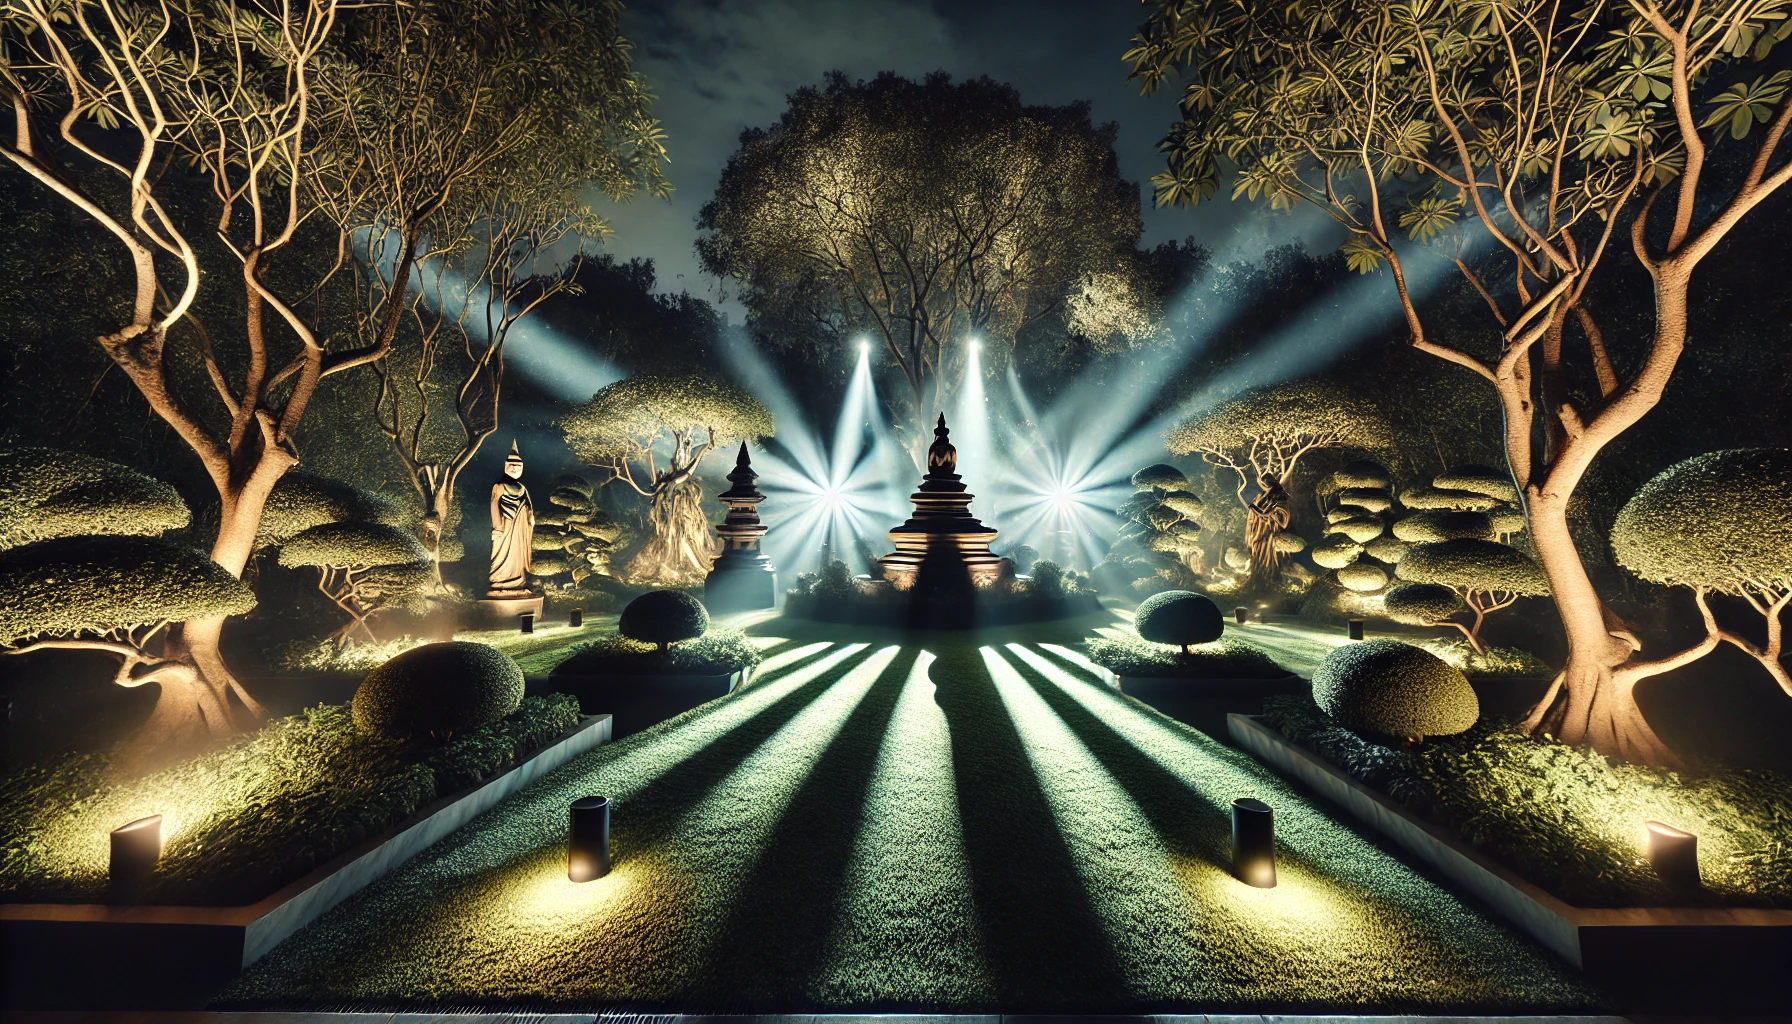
(1674,854)
(1356,629)
(1254,843)
(576,618)
(528,621)
(588,843)
(136,848)
(1239,613)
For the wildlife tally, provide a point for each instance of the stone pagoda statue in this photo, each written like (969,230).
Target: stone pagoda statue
(742,578)
(942,522)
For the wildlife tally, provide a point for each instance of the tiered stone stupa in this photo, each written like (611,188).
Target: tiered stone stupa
(743,577)
(942,520)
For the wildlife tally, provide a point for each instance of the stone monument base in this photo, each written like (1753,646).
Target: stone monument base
(740,590)
(501,611)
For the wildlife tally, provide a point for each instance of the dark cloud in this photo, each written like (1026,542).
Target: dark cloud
(721,66)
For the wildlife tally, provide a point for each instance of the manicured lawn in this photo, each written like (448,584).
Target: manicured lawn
(967,824)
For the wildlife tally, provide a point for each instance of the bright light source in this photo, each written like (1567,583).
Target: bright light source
(588,842)
(864,347)
(1674,854)
(136,848)
(976,346)
(1254,843)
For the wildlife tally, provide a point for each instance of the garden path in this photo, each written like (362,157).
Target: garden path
(926,823)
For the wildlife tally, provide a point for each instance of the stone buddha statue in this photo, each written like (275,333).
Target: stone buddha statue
(513,530)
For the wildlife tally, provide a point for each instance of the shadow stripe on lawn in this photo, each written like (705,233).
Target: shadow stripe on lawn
(1045,941)
(652,814)
(777,931)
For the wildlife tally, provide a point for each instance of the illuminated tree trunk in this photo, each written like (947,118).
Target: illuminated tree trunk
(682,547)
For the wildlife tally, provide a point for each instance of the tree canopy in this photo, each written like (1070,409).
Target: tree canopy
(1720,522)
(625,420)
(75,585)
(923,214)
(1266,430)
(45,493)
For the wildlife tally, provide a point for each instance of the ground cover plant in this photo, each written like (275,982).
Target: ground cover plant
(1125,654)
(717,652)
(245,819)
(975,825)
(1567,818)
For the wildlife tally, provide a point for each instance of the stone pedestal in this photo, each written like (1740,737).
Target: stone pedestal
(742,578)
(942,523)
(502,611)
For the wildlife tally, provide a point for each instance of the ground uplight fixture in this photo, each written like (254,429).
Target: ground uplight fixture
(1356,629)
(1674,854)
(1254,843)
(588,842)
(136,848)
(1239,613)
(576,618)
(527,621)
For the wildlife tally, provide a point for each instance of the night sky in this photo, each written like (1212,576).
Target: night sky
(720,66)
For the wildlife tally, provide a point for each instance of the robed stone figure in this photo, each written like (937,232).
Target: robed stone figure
(513,530)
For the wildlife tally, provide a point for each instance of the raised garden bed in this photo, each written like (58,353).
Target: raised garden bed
(1723,954)
(1199,688)
(102,956)
(640,686)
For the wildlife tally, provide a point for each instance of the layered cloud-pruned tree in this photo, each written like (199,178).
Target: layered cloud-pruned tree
(1486,576)
(575,536)
(925,214)
(464,137)
(84,568)
(1261,436)
(1719,524)
(1160,540)
(303,500)
(106,96)
(652,433)
(1539,130)
(362,567)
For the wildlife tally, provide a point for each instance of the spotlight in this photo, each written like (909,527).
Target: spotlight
(976,346)
(1239,613)
(527,620)
(864,347)
(1254,843)
(1356,629)
(135,849)
(576,618)
(1674,854)
(588,842)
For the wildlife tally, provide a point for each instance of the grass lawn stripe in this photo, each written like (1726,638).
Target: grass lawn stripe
(1123,864)
(906,935)
(1345,921)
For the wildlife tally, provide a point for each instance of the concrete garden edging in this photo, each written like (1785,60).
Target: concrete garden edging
(154,956)
(637,701)
(1732,947)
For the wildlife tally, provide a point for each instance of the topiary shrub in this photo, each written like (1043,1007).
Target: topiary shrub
(75,585)
(1361,530)
(1444,498)
(664,617)
(45,494)
(1290,543)
(1422,604)
(437,690)
(1494,483)
(1486,574)
(1395,689)
(1387,549)
(1336,552)
(300,501)
(1023,557)
(1179,617)
(1161,477)
(364,567)
(1362,578)
(1373,499)
(1441,525)
(1363,473)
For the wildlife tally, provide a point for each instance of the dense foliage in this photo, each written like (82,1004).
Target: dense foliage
(1394,689)
(717,652)
(1566,818)
(1720,522)
(243,820)
(45,493)
(664,617)
(1126,654)
(1179,618)
(438,690)
(77,585)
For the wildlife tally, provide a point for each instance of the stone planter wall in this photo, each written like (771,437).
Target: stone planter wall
(637,702)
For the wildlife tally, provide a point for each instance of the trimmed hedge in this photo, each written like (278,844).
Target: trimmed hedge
(717,652)
(663,617)
(1394,689)
(1179,617)
(45,494)
(251,817)
(438,689)
(1225,658)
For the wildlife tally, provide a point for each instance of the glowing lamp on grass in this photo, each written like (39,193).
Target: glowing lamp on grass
(1254,843)
(1674,854)
(1239,613)
(136,848)
(527,621)
(588,844)
(576,618)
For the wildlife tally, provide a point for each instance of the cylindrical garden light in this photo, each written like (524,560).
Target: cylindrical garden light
(1674,854)
(527,619)
(576,618)
(136,848)
(1356,629)
(1254,843)
(588,843)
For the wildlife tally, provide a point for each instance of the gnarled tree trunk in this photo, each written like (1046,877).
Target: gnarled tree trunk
(682,547)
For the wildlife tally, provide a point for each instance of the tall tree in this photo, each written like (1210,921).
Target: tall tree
(1536,127)
(229,85)
(926,214)
(462,139)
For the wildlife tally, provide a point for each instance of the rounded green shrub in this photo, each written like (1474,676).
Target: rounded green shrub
(98,584)
(1441,525)
(1387,548)
(1161,476)
(1179,617)
(1395,689)
(1344,513)
(1494,483)
(1183,504)
(1434,498)
(436,690)
(1361,530)
(1373,499)
(664,617)
(45,494)
(1720,521)
(1363,473)
(1023,556)
(1336,552)
(1290,543)
(352,546)
(1507,519)
(1362,578)
(1422,604)
(1470,565)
